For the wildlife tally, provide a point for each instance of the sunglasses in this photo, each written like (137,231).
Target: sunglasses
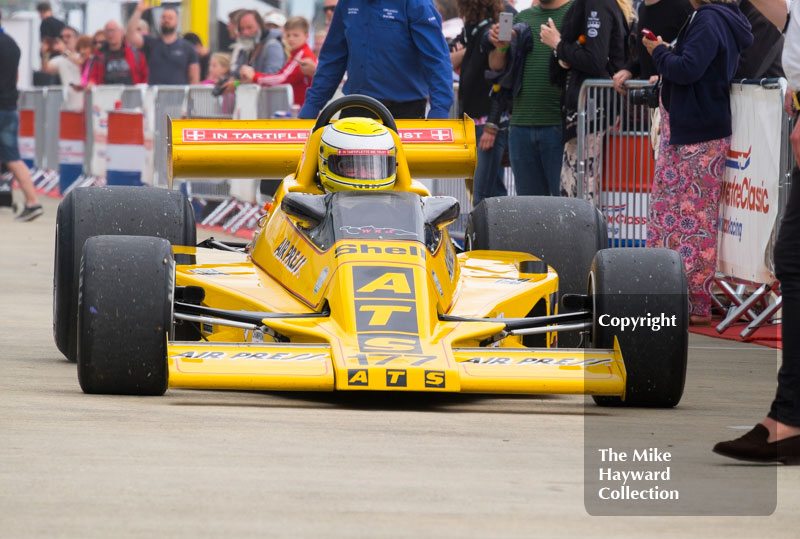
(329,8)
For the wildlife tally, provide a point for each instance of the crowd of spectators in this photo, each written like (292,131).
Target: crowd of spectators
(521,93)
(251,44)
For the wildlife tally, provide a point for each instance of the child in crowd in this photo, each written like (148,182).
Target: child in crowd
(301,57)
(219,67)
(85,49)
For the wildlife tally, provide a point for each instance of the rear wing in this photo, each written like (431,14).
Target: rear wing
(212,149)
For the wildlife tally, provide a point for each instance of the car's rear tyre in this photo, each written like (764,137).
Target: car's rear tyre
(125,315)
(640,283)
(93,211)
(564,232)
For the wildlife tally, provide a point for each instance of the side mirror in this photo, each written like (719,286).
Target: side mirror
(308,210)
(440,211)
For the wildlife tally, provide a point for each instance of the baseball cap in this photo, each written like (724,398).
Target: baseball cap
(275,17)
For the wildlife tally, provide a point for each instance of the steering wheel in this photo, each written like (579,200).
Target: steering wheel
(356,100)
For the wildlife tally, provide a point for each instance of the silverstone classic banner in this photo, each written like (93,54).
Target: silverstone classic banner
(749,190)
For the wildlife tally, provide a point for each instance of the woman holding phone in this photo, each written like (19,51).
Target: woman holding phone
(695,138)
(474,90)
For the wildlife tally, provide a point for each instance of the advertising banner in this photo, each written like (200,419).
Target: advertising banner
(749,191)
(626,216)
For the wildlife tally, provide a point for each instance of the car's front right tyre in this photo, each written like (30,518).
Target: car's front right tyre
(125,305)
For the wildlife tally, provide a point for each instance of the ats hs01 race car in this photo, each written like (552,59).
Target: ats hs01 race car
(352,281)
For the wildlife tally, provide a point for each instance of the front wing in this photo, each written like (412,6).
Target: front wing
(311,367)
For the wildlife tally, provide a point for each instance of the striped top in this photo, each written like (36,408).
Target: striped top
(538,102)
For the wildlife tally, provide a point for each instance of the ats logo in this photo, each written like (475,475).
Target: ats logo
(738,160)
(385,309)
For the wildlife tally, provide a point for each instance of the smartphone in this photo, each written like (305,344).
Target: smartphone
(505,20)
(648,34)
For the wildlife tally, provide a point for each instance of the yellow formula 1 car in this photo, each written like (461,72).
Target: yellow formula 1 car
(352,281)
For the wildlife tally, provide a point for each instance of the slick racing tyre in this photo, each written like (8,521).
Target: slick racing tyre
(564,232)
(124,315)
(648,285)
(93,211)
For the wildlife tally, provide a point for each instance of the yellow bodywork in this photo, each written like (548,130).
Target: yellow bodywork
(374,302)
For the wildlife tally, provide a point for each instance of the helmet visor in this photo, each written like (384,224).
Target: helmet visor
(363,164)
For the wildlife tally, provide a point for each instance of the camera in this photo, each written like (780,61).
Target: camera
(460,38)
(219,87)
(649,95)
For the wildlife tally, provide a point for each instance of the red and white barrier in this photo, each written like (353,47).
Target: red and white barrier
(71,147)
(27,137)
(125,152)
(628,166)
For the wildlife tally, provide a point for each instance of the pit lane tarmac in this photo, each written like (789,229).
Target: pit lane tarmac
(213,463)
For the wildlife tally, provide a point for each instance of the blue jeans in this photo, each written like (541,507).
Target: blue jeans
(536,154)
(488,179)
(9,127)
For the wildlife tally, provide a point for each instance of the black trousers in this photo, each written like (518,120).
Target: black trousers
(408,110)
(786,406)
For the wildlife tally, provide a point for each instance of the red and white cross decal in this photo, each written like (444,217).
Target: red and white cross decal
(425,135)
(299,136)
(193,134)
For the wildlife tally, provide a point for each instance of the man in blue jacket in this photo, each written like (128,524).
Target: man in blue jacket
(392,50)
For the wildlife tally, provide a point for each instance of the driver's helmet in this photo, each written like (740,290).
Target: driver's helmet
(357,154)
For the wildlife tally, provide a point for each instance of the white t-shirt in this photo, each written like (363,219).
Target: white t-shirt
(791,48)
(70,73)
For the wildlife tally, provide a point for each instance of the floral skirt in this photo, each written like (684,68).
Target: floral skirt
(684,209)
(569,166)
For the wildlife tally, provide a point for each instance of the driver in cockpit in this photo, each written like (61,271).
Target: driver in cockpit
(357,154)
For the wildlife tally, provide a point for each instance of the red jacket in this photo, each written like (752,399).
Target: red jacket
(291,74)
(136,63)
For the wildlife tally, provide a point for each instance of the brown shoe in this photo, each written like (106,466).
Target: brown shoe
(700,320)
(753,447)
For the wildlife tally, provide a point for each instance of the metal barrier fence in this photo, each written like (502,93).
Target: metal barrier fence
(274,100)
(616,161)
(34,100)
(43,105)
(53,99)
(167,101)
(154,104)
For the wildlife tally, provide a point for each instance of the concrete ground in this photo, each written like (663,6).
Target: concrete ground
(207,464)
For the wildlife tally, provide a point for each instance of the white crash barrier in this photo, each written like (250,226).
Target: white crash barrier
(754,189)
(752,202)
(749,199)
